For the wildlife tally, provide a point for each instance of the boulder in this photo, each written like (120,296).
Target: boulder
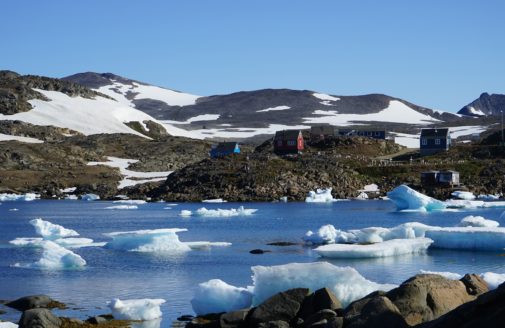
(428,296)
(274,324)
(318,317)
(337,322)
(283,306)
(34,301)
(488,311)
(321,299)
(39,318)
(355,308)
(233,319)
(379,311)
(474,284)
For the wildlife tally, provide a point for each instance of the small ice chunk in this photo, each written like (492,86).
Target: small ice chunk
(68,190)
(150,241)
(15,197)
(122,207)
(50,230)
(90,197)
(406,198)
(136,309)
(448,275)
(215,296)
(56,257)
(327,234)
(320,196)
(130,201)
(492,279)
(347,284)
(477,221)
(241,211)
(466,195)
(362,196)
(393,247)
(71,197)
(185,213)
(217,200)
(488,198)
(64,242)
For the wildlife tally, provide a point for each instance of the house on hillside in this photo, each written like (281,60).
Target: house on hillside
(433,141)
(369,133)
(429,178)
(288,142)
(440,178)
(224,149)
(321,132)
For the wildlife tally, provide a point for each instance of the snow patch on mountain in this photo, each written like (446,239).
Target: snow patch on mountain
(396,112)
(326,99)
(468,130)
(7,137)
(198,118)
(271,109)
(88,116)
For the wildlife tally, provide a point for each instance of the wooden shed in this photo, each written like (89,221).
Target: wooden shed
(288,142)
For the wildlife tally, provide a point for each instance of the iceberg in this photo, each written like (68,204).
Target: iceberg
(15,197)
(393,247)
(327,234)
(217,200)
(469,238)
(216,296)
(122,207)
(241,211)
(466,195)
(320,196)
(50,230)
(347,284)
(55,257)
(130,201)
(477,221)
(90,197)
(136,309)
(406,198)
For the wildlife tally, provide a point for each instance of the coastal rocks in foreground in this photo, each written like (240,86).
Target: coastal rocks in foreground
(426,300)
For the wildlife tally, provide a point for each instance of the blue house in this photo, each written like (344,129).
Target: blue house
(224,149)
(433,141)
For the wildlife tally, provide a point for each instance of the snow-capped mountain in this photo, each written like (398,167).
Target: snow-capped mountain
(250,113)
(485,105)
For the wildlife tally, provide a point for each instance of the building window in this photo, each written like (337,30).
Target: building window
(437,141)
(424,142)
(291,142)
(377,133)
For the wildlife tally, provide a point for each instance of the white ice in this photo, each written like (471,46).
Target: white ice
(185,213)
(216,200)
(488,198)
(362,196)
(320,196)
(466,195)
(215,296)
(55,257)
(370,188)
(324,96)
(90,197)
(122,207)
(241,211)
(132,178)
(478,221)
(7,137)
(71,197)
(7,324)
(15,197)
(130,201)
(136,309)
(64,242)
(393,247)
(327,234)
(50,230)
(469,238)
(347,284)
(406,198)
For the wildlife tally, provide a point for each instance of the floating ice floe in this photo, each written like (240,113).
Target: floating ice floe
(122,207)
(185,213)
(155,241)
(50,230)
(55,257)
(320,196)
(90,197)
(241,211)
(477,221)
(13,209)
(217,200)
(136,309)
(71,197)
(130,201)
(64,242)
(407,199)
(488,197)
(7,324)
(466,195)
(492,279)
(216,296)
(393,247)
(15,197)
(468,237)
(362,196)
(370,188)
(347,284)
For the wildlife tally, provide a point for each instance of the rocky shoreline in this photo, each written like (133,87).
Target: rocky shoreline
(424,301)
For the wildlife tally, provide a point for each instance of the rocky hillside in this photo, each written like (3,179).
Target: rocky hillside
(485,105)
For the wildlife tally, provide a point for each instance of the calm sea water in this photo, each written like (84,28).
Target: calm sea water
(116,274)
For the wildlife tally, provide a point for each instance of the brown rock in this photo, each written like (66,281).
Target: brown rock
(282,306)
(474,284)
(379,311)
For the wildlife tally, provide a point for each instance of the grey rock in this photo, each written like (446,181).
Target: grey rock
(273,324)
(96,320)
(325,299)
(30,302)
(319,316)
(354,309)
(282,306)
(233,319)
(377,312)
(337,322)
(39,318)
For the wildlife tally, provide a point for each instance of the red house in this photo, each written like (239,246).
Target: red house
(288,142)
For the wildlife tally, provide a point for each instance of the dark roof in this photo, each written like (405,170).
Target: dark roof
(323,129)
(225,147)
(434,132)
(287,135)
(448,171)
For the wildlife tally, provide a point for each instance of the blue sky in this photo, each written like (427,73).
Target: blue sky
(438,54)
